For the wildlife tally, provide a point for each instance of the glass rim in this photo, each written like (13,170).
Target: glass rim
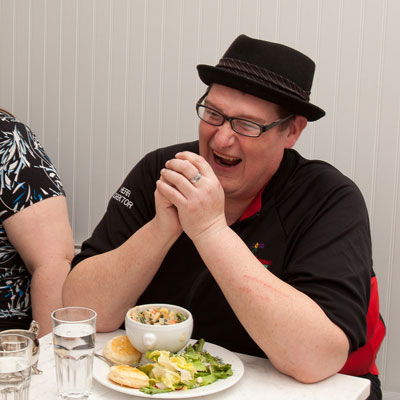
(29,344)
(60,320)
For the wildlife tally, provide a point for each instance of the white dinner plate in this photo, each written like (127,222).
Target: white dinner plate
(101,369)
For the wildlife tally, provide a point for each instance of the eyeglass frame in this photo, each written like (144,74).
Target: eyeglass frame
(263,128)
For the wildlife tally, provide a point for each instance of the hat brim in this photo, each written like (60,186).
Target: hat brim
(209,74)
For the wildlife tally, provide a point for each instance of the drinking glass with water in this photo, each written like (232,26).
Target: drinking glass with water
(74,331)
(15,366)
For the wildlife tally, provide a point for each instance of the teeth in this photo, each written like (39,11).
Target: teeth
(225,157)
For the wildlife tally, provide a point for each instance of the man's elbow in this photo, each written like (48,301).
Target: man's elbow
(315,368)
(310,373)
(312,376)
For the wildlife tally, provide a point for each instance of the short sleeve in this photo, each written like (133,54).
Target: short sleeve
(27,174)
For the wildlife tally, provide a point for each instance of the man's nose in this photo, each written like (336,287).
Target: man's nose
(225,135)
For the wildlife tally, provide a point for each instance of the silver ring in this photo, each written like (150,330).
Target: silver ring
(196,178)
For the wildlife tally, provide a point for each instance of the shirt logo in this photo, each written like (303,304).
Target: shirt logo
(122,196)
(255,249)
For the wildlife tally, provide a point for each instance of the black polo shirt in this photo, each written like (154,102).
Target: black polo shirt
(309,227)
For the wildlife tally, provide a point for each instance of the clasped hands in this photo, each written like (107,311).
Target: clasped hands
(188,201)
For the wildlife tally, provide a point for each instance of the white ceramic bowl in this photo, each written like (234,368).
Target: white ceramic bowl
(145,337)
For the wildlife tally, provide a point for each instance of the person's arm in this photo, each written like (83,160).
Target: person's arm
(111,282)
(291,329)
(42,236)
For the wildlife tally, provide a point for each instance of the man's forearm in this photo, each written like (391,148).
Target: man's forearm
(289,327)
(111,283)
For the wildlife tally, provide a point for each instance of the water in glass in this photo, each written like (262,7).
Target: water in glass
(15,367)
(74,349)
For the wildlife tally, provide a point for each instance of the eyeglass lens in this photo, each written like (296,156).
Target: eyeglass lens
(216,118)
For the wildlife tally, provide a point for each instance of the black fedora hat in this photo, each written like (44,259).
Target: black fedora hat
(271,71)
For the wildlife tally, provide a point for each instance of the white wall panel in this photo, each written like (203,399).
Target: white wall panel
(52,70)
(35,87)
(21,56)
(189,86)
(84,118)
(102,82)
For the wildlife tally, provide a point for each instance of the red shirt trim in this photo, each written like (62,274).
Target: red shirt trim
(254,207)
(362,360)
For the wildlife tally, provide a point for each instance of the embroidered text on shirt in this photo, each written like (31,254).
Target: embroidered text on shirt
(120,196)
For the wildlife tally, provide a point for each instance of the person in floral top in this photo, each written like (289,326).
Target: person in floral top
(36,244)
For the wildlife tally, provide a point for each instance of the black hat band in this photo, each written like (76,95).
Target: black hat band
(259,74)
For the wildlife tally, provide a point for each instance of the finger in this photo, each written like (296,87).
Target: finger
(170,193)
(164,177)
(197,160)
(178,181)
(184,167)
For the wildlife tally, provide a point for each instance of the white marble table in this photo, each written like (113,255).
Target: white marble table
(260,381)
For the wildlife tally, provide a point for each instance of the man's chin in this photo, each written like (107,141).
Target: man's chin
(230,188)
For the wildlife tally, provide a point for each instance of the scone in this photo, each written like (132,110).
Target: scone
(120,351)
(128,376)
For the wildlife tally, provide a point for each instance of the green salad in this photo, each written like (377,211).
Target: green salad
(192,368)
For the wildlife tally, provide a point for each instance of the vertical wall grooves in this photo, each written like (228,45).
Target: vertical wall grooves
(218,36)
(297,27)
(91,117)
(179,74)
(14,29)
(198,47)
(75,117)
(315,89)
(126,85)
(377,145)
(360,58)
(258,12)
(391,308)
(378,111)
(29,69)
(161,75)
(144,78)
(44,85)
(337,82)
(237,20)
(278,19)
(109,99)
(60,74)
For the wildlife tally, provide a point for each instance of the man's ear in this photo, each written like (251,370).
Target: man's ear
(294,130)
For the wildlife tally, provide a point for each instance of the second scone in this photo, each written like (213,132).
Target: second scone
(128,376)
(120,351)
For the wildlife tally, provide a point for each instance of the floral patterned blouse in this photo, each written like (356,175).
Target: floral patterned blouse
(26,177)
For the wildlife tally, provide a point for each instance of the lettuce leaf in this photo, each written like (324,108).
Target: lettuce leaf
(193,368)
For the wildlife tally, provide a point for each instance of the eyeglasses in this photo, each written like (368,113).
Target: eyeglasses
(239,125)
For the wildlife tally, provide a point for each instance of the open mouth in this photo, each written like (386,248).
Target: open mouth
(226,161)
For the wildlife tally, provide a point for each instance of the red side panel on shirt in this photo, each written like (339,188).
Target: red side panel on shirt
(362,361)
